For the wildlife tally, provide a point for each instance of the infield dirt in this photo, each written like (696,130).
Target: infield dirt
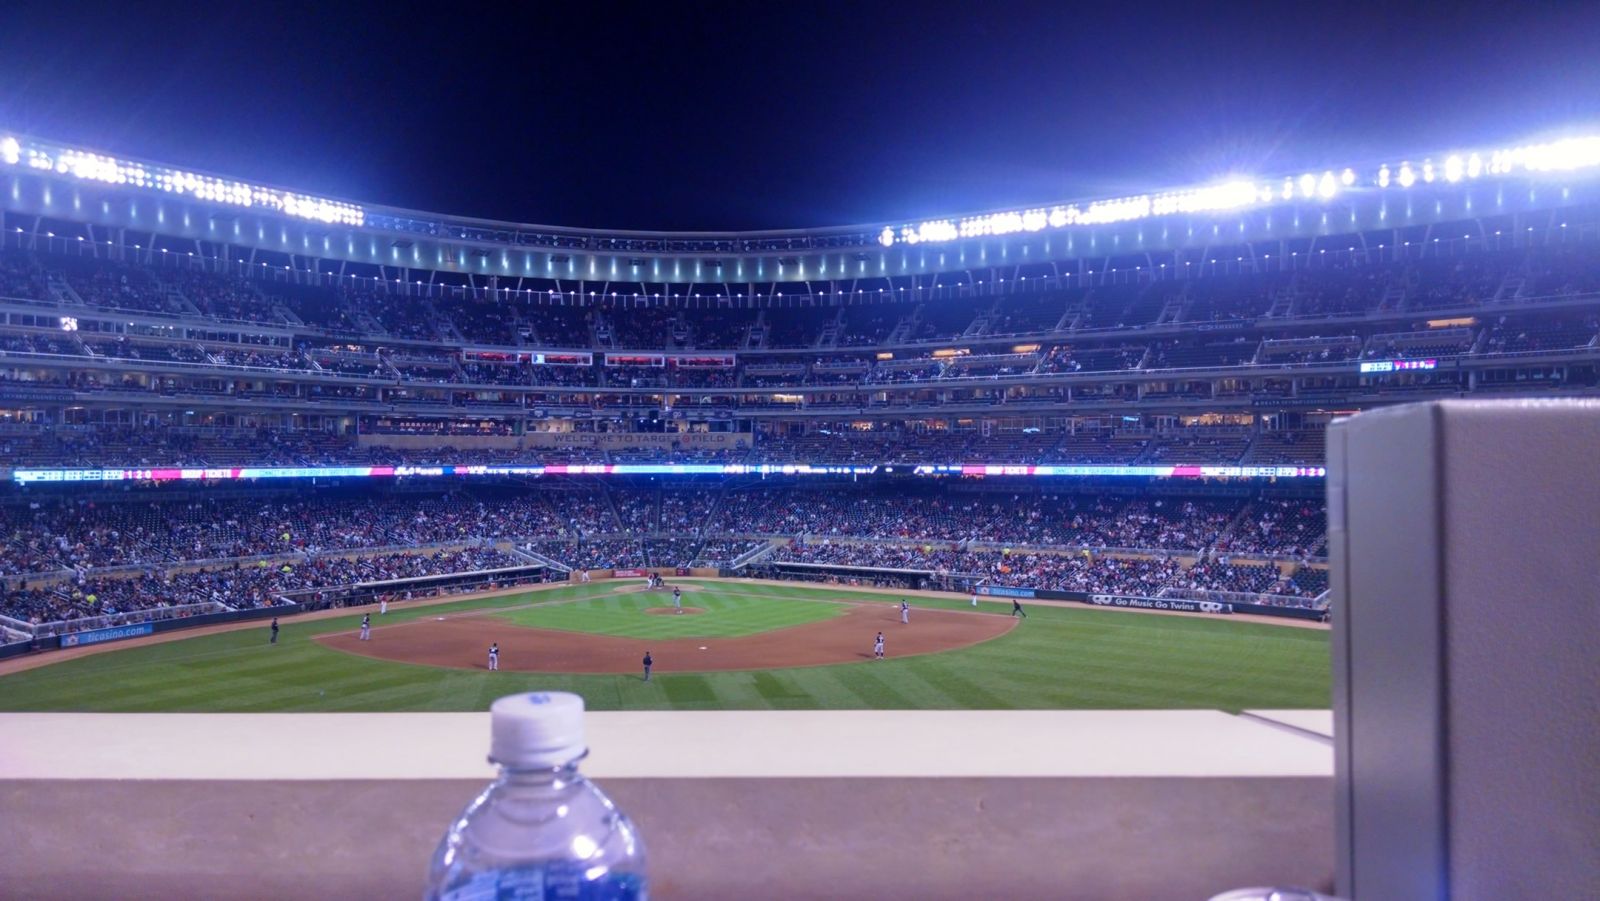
(462,642)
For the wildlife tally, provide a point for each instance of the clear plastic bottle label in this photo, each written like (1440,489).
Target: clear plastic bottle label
(549,882)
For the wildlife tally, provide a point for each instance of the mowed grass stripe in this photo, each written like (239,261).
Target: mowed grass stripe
(1057,658)
(728,614)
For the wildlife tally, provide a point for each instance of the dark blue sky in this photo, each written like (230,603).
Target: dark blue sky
(767,115)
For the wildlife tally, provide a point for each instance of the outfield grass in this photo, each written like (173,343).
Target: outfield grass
(1060,658)
(731,610)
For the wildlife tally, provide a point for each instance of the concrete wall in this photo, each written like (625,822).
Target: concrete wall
(851,804)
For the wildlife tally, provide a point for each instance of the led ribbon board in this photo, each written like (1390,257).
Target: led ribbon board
(179,474)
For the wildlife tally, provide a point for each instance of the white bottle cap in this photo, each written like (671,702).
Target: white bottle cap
(536,729)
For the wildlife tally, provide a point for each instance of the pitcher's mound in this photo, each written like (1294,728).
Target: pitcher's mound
(669,611)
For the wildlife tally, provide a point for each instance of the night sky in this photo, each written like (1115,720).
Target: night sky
(768,115)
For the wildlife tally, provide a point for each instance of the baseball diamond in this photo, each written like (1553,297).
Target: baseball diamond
(766,646)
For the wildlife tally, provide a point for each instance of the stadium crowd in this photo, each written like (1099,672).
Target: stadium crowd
(361,331)
(239,586)
(76,533)
(160,444)
(113,553)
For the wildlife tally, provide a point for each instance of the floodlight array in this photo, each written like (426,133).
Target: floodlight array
(95,167)
(1566,155)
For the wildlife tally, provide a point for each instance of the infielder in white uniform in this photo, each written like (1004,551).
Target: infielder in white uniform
(494,656)
(366,627)
(905,612)
(877,647)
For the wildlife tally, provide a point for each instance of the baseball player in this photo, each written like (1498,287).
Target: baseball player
(905,612)
(1016,609)
(366,627)
(877,647)
(494,656)
(583,575)
(274,639)
(648,662)
(383,606)
(677,598)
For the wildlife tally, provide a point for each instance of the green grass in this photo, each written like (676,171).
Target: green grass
(731,611)
(1059,658)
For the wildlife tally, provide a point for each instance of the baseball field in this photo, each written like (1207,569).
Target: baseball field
(737,646)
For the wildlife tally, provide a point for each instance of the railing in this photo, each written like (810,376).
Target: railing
(131,617)
(899,296)
(436,585)
(754,555)
(971,544)
(528,392)
(1247,597)
(551,562)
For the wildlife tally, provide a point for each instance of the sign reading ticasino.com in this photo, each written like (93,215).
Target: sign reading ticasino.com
(969,470)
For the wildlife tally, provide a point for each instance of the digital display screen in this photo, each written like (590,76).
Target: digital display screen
(1397,365)
(171,474)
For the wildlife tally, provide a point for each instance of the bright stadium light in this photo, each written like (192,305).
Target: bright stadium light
(1558,156)
(88,166)
(1234,194)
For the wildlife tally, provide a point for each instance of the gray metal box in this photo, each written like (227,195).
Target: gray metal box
(1465,546)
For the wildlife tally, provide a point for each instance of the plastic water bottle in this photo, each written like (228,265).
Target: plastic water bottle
(540,830)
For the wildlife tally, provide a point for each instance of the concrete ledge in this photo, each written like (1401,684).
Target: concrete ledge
(814,804)
(1135,838)
(668,745)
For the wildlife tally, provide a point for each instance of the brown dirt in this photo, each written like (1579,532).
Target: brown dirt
(47,657)
(662,611)
(463,642)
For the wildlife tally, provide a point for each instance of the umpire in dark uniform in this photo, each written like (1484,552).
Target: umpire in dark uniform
(648,662)
(274,631)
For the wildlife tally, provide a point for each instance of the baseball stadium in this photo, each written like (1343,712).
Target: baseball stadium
(293,487)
